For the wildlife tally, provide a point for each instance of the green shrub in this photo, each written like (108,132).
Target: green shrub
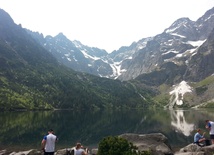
(113,145)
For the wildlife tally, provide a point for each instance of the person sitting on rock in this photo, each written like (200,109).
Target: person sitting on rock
(79,150)
(198,138)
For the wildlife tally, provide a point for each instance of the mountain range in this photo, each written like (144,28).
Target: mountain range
(32,78)
(144,56)
(174,68)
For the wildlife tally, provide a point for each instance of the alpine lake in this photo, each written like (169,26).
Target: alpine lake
(24,130)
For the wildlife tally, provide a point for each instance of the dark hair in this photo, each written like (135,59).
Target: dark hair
(78,145)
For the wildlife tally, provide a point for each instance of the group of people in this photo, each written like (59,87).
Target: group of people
(199,137)
(49,140)
(48,145)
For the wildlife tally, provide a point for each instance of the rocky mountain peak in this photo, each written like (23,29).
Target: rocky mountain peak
(61,36)
(5,18)
(175,45)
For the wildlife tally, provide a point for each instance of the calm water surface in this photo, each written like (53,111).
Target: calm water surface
(25,130)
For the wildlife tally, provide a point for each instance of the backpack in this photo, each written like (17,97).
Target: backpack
(70,152)
(207,142)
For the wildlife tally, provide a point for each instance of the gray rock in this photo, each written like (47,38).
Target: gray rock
(193,149)
(29,152)
(34,152)
(61,152)
(67,151)
(156,143)
(94,151)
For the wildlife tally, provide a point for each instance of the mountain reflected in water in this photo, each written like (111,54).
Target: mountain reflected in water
(25,130)
(179,122)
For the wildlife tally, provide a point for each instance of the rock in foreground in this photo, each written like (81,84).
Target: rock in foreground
(156,143)
(193,149)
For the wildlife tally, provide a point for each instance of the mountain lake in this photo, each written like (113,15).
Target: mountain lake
(24,130)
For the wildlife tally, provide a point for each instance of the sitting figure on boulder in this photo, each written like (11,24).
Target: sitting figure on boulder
(199,139)
(79,150)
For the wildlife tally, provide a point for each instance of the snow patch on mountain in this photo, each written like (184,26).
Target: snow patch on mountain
(178,92)
(209,17)
(116,67)
(175,34)
(75,59)
(171,30)
(170,51)
(89,56)
(196,43)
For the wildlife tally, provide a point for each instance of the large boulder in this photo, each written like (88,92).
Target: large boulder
(196,150)
(67,151)
(29,152)
(156,143)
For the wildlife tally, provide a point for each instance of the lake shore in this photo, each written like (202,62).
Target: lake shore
(155,142)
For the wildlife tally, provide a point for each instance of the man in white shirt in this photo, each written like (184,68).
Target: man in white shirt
(48,143)
(210,127)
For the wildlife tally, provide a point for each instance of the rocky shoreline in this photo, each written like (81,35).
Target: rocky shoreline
(156,143)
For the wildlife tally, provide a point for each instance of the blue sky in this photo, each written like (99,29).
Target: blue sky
(106,24)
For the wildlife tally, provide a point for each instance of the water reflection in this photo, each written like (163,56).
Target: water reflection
(24,130)
(179,122)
